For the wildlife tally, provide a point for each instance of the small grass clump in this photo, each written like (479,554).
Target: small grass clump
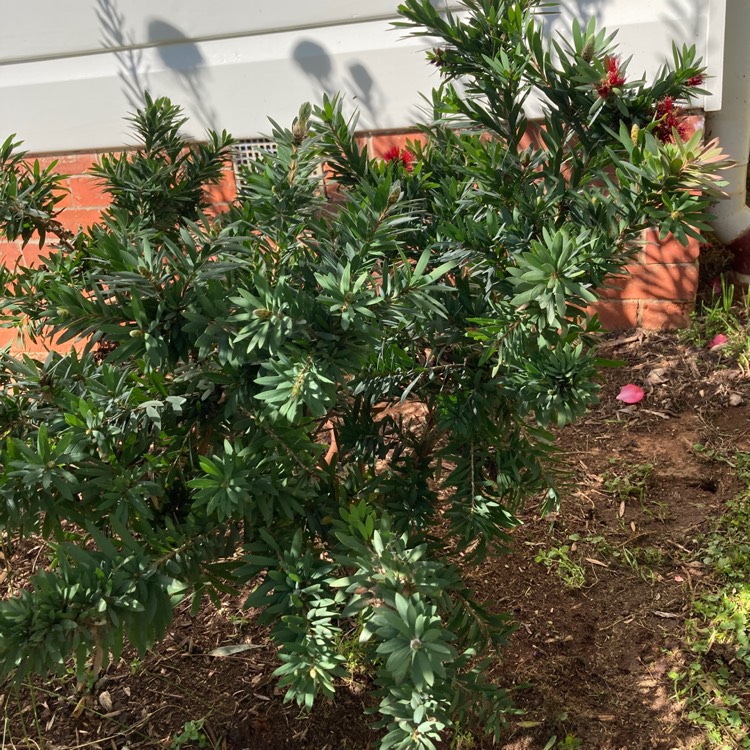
(714,682)
(726,312)
(568,571)
(630,483)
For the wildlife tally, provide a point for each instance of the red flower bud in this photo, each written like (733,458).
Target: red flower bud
(614,78)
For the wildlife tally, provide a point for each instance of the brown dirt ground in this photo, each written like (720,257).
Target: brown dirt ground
(591,661)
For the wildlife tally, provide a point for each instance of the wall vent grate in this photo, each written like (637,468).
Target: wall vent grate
(247,151)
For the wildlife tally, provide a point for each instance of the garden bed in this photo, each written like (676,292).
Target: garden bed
(600,594)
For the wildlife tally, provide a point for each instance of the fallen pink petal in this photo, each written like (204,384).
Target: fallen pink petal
(630,394)
(718,341)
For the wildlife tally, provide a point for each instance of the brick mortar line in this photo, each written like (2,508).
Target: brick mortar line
(683,264)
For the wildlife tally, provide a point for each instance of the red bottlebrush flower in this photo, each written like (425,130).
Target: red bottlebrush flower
(613,71)
(667,117)
(665,106)
(391,154)
(695,81)
(407,159)
(614,78)
(397,154)
(665,110)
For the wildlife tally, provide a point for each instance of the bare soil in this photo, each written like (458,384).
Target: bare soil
(589,658)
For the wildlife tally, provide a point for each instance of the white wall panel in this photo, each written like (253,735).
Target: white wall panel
(70,72)
(47,29)
(72,103)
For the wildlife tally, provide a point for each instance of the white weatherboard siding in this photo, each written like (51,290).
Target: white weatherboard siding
(70,71)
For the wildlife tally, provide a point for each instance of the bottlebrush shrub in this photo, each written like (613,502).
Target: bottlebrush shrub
(432,321)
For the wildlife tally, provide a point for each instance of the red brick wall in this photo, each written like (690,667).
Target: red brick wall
(658,293)
(81,207)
